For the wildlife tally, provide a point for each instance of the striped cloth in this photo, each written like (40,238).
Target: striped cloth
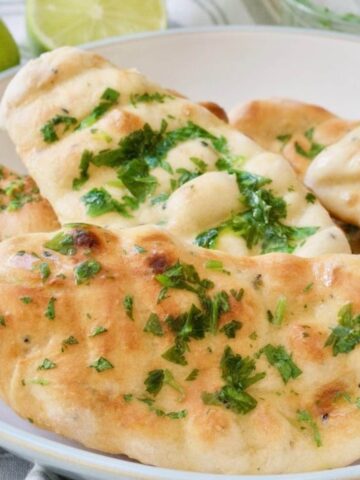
(181,13)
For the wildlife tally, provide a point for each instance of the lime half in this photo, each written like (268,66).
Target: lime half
(54,23)
(9,52)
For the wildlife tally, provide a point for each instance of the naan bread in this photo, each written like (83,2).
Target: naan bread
(335,177)
(297,130)
(77,366)
(178,181)
(22,209)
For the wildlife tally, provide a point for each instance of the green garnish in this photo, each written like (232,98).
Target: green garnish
(153,325)
(101,365)
(303,416)
(128,397)
(98,331)
(39,381)
(216,265)
(136,98)
(49,132)
(107,100)
(2,321)
(192,375)
(62,243)
(201,165)
(282,361)
(86,158)
(98,202)
(176,353)
(346,336)
(161,198)
(86,270)
(284,138)
(310,198)
(308,287)
(26,300)
(160,412)
(230,329)
(50,309)
(70,341)
(278,317)
(237,374)
(220,305)
(237,294)
(44,271)
(128,303)
(139,249)
(260,223)
(47,365)
(315,148)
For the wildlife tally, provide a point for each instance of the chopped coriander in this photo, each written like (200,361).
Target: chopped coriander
(139,249)
(49,132)
(237,294)
(101,365)
(44,271)
(220,305)
(158,97)
(128,397)
(97,331)
(230,329)
(153,325)
(303,416)
(237,374)
(216,265)
(282,361)
(39,381)
(278,317)
(201,165)
(175,354)
(70,341)
(312,152)
(346,336)
(62,243)
(50,309)
(192,375)
(154,381)
(207,239)
(253,335)
(47,365)
(107,100)
(26,300)
(2,321)
(128,304)
(310,198)
(284,138)
(161,198)
(85,161)
(86,270)
(308,287)
(160,412)
(98,201)
(258,282)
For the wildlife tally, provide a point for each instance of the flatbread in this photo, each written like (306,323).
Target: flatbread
(186,190)
(76,366)
(22,209)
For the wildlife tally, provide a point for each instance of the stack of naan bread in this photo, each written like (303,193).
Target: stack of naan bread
(199,307)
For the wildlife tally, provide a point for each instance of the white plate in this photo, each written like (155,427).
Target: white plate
(226,65)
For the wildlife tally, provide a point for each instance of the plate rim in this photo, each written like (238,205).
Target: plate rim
(15,438)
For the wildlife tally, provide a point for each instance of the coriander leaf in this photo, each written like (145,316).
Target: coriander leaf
(312,152)
(237,374)
(86,270)
(230,329)
(49,132)
(62,243)
(26,300)
(85,161)
(284,138)
(139,249)
(303,416)
(282,361)
(108,99)
(128,303)
(278,317)
(136,178)
(192,375)
(237,294)
(154,381)
(161,198)
(160,412)
(153,325)
(101,365)
(346,336)
(47,365)
(158,97)
(310,197)
(98,202)
(70,341)
(44,271)
(98,331)
(208,238)
(175,354)
(2,321)
(128,397)
(220,304)
(50,309)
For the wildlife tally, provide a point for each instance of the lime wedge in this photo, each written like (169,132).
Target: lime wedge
(9,52)
(54,23)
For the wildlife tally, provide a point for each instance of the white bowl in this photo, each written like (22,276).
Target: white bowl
(227,65)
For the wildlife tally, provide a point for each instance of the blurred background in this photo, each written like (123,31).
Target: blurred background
(29,27)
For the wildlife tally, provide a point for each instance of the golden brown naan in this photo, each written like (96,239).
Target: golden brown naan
(22,209)
(165,171)
(77,345)
(291,128)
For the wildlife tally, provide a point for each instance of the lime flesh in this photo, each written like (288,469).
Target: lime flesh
(54,23)
(9,52)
